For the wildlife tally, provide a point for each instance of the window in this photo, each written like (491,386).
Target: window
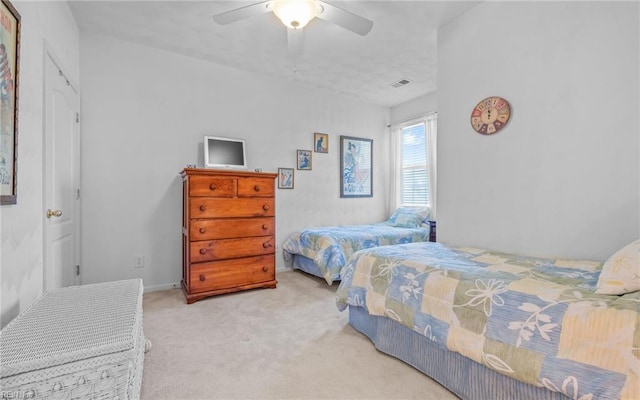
(414,163)
(414,182)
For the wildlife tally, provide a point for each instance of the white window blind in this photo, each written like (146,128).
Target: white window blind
(414,174)
(414,184)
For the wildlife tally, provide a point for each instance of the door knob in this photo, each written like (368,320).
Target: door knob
(54,213)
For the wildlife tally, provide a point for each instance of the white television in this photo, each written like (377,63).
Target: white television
(221,152)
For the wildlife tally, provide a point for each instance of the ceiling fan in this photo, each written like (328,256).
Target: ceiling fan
(296,14)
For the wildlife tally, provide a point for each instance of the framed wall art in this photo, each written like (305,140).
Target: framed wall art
(321,142)
(356,167)
(304,159)
(9,66)
(285,178)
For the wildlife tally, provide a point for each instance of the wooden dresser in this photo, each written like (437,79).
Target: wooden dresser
(228,232)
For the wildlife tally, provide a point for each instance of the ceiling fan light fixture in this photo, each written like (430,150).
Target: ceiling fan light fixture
(295,14)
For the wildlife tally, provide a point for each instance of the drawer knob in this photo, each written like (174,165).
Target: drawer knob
(256,188)
(212,186)
(202,230)
(266,245)
(202,278)
(265,207)
(203,251)
(203,208)
(265,268)
(265,227)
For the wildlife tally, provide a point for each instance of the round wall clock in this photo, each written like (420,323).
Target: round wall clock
(490,115)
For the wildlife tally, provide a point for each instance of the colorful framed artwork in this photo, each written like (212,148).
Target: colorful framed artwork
(285,178)
(356,167)
(304,159)
(9,66)
(321,142)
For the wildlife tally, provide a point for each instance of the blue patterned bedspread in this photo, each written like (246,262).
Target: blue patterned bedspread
(536,320)
(331,247)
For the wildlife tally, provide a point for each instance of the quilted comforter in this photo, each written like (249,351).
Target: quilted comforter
(331,247)
(536,320)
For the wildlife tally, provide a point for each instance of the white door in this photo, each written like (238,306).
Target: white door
(61,179)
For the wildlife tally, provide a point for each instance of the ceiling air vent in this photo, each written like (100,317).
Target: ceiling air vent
(401,82)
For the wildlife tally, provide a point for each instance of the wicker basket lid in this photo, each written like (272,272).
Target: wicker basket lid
(72,324)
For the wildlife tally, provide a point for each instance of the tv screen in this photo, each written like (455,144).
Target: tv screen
(222,152)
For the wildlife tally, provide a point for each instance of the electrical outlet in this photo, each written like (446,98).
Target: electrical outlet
(138,261)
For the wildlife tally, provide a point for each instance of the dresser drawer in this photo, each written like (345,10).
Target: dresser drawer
(212,186)
(206,207)
(208,229)
(221,249)
(230,273)
(255,187)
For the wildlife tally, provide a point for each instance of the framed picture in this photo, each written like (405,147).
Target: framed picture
(321,142)
(356,167)
(304,159)
(285,178)
(9,65)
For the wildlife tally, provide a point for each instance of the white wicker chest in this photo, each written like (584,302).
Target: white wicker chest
(80,342)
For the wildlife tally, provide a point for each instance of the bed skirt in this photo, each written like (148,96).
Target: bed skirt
(462,376)
(307,265)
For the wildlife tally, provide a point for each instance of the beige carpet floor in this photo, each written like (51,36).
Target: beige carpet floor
(284,343)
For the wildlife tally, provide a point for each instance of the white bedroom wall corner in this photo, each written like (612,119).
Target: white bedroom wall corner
(21,225)
(163,127)
(556,180)
(414,108)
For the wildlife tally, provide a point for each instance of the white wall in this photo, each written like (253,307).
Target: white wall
(562,178)
(144,114)
(414,108)
(21,225)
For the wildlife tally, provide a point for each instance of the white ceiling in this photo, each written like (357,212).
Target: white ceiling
(402,43)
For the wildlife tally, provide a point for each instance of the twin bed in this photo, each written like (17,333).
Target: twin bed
(324,251)
(484,324)
(490,325)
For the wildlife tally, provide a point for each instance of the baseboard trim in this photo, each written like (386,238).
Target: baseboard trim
(157,288)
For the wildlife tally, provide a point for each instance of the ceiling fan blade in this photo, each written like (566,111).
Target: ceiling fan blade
(294,41)
(345,19)
(243,12)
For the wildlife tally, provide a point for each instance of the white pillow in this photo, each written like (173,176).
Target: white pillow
(621,272)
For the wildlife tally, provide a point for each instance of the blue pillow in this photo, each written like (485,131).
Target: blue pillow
(409,217)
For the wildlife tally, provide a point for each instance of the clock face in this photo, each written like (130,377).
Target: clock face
(490,115)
